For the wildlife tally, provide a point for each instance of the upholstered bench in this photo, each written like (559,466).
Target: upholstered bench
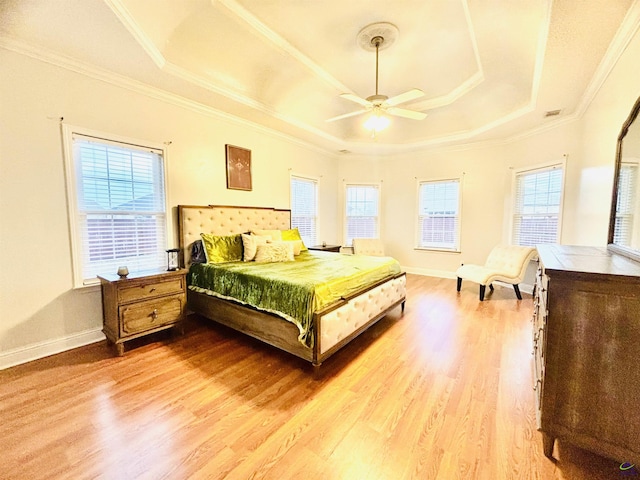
(506,263)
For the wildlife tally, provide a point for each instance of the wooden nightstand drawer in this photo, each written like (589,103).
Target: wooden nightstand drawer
(143,316)
(151,289)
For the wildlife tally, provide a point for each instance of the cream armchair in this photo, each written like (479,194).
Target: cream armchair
(506,263)
(368,246)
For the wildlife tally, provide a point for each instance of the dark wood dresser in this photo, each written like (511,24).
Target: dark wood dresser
(586,344)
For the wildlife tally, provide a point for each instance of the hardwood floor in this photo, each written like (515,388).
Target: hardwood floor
(442,392)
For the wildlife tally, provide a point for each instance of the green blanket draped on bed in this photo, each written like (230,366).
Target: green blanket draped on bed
(292,290)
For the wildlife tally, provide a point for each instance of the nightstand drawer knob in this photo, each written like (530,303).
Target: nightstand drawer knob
(154,314)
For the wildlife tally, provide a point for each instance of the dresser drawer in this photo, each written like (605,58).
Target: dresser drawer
(151,289)
(143,316)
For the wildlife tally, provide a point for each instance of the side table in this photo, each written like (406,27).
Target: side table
(141,304)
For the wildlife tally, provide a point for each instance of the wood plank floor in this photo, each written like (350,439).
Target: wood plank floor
(441,392)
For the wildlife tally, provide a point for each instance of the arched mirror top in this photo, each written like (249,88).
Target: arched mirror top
(624,221)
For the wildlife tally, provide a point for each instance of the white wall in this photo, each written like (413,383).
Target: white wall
(486,172)
(587,143)
(39,309)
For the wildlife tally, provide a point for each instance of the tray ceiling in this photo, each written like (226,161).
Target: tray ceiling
(489,69)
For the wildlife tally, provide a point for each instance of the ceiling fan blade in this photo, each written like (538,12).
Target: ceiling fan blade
(403,112)
(355,98)
(405,97)
(347,115)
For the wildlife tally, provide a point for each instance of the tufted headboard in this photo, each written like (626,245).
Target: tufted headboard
(225,220)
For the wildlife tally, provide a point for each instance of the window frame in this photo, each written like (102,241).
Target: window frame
(71,181)
(559,164)
(316,182)
(418,228)
(634,195)
(378,187)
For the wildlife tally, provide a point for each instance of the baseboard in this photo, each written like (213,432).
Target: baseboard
(524,287)
(50,347)
(428,272)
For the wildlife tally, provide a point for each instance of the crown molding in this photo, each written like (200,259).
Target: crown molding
(241,13)
(106,76)
(468,85)
(141,37)
(618,45)
(541,50)
(458,140)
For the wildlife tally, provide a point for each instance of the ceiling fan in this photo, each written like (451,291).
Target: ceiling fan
(378,104)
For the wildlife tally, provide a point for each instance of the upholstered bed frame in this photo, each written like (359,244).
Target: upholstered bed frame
(334,326)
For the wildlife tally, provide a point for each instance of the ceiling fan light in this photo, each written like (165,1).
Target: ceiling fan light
(377,121)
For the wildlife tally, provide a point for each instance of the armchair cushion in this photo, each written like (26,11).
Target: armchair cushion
(506,263)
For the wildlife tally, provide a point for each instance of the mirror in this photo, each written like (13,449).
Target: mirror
(624,221)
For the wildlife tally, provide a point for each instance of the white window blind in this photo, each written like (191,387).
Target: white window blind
(625,204)
(120,208)
(538,199)
(304,205)
(362,212)
(439,215)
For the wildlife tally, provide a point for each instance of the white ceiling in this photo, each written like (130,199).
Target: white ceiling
(490,69)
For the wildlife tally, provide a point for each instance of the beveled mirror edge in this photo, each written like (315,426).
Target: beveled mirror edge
(612,247)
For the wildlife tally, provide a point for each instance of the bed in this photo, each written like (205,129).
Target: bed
(333,323)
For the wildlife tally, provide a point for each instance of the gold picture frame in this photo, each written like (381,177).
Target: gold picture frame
(238,168)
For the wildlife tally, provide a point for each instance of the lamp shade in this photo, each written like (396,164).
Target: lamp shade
(377,121)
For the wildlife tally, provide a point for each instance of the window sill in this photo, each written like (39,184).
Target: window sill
(434,249)
(87,288)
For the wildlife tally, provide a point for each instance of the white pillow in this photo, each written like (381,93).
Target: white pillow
(276,235)
(275,252)
(250,244)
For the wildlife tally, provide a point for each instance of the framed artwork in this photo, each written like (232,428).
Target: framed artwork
(238,168)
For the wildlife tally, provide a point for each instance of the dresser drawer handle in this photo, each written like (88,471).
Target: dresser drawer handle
(152,290)
(154,314)
(535,387)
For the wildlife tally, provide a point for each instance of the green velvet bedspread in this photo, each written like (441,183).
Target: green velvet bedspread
(292,290)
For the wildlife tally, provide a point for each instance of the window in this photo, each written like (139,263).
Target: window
(439,214)
(117,206)
(538,202)
(625,204)
(362,215)
(304,205)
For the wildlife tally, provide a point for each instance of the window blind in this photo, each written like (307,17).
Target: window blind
(362,217)
(625,204)
(120,207)
(439,215)
(304,199)
(538,199)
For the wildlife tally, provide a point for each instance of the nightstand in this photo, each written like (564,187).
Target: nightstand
(326,248)
(141,304)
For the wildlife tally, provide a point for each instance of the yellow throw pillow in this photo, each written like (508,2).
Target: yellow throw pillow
(222,248)
(297,246)
(294,234)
